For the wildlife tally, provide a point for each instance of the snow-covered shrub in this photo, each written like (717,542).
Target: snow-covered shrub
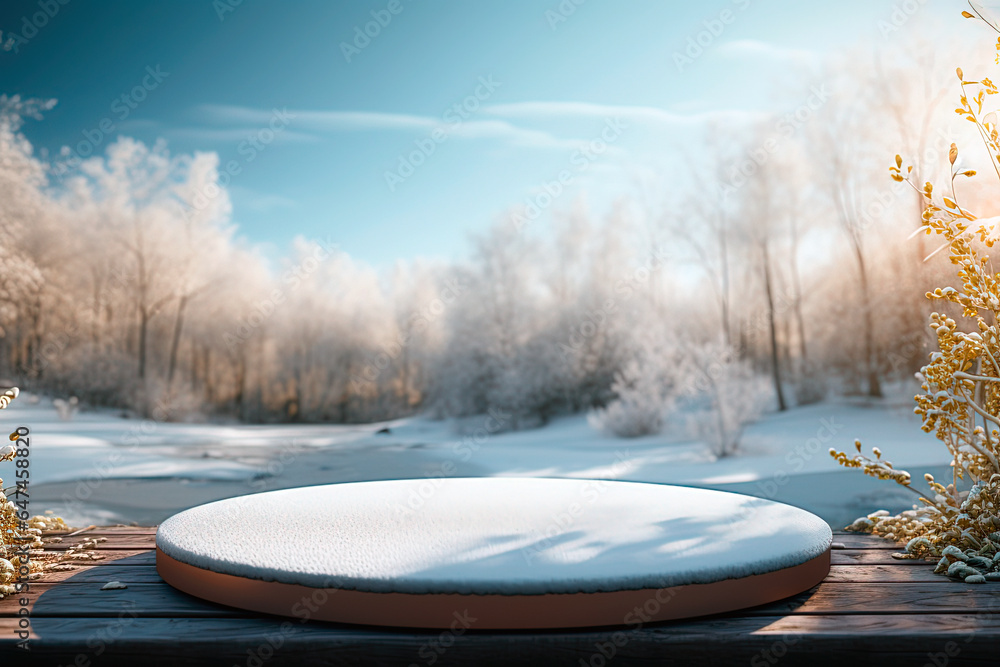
(66,409)
(645,389)
(641,404)
(732,393)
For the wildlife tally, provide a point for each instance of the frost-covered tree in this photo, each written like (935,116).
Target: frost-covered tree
(122,283)
(726,395)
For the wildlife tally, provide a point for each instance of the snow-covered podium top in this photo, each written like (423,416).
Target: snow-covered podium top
(490,538)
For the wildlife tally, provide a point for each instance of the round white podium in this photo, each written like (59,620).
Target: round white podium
(493,552)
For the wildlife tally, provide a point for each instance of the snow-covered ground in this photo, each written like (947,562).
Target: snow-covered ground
(102,468)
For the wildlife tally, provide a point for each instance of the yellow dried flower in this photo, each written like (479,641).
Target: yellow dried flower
(960,402)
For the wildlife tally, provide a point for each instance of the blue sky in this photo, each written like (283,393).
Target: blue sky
(534,85)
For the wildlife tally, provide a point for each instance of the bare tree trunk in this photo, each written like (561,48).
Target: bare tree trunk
(207,374)
(797,294)
(176,340)
(785,345)
(874,386)
(259,392)
(775,360)
(35,355)
(801,327)
(193,367)
(241,376)
(724,252)
(143,329)
(95,335)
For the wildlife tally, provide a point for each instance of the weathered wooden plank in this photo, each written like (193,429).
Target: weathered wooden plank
(113,571)
(884,574)
(873,557)
(871,607)
(86,599)
(108,530)
(888,598)
(802,640)
(122,557)
(117,541)
(862,541)
(124,530)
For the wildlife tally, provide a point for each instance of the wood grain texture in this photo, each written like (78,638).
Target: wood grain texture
(861,541)
(873,557)
(805,640)
(114,541)
(870,609)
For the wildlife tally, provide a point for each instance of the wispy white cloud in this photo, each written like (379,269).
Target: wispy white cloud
(638,114)
(519,136)
(260,201)
(231,133)
(318,122)
(515,124)
(755,48)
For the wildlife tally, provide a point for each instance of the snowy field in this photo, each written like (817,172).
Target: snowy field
(102,468)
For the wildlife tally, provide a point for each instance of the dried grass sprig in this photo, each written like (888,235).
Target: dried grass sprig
(18,535)
(960,402)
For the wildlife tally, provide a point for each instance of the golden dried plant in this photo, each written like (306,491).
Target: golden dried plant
(21,537)
(961,382)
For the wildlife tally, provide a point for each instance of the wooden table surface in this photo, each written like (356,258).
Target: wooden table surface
(870,609)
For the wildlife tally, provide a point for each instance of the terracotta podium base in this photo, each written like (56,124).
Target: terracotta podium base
(492,612)
(493,553)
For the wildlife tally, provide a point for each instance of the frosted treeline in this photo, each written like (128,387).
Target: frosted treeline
(777,272)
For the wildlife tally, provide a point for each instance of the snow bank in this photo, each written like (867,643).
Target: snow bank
(100,466)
